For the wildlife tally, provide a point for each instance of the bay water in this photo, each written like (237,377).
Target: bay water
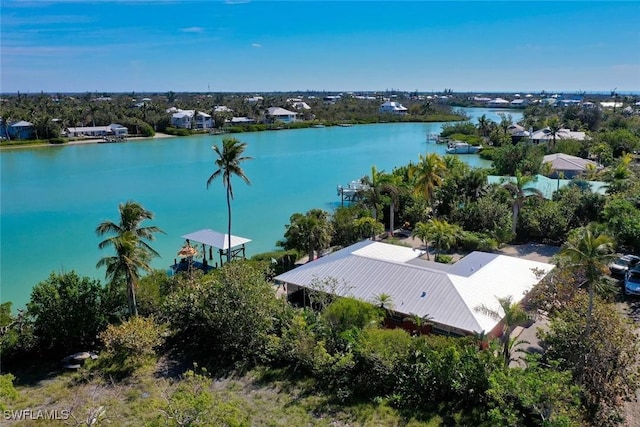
(52,198)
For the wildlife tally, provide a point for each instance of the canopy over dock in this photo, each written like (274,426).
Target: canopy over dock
(220,241)
(212,239)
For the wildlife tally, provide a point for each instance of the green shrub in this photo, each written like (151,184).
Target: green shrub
(8,393)
(57,140)
(280,261)
(472,241)
(68,312)
(444,259)
(177,132)
(130,345)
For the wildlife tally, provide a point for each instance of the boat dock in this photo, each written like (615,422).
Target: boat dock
(352,192)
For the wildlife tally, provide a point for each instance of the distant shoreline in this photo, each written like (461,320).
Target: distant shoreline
(158,135)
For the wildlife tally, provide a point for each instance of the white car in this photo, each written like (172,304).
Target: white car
(621,265)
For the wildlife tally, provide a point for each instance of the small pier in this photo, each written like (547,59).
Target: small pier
(351,192)
(115,138)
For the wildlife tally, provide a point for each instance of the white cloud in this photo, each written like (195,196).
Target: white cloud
(256,45)
(192,30)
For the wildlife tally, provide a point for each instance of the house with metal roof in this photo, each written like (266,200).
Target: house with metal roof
(546,135)
(547,186)
(393,108)
(448,295)
(567,165)
(113,129)
(282,115)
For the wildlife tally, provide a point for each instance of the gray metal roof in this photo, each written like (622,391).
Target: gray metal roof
(449,296)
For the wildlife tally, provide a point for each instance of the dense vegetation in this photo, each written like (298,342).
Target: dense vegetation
(169,344)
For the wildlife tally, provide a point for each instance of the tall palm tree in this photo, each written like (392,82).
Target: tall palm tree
(554,126)
(589,251)
(422,231)
(484,125)
(133,253)
(228,164)
(427,175)
(519,194)
(376,187)
(514,316)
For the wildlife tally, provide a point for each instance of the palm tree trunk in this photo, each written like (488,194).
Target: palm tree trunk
(133,307)
(391,217)
(516,211)
(229,223)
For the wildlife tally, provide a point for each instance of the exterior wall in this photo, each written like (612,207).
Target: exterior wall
(22,132)
(181,122)
(285,119)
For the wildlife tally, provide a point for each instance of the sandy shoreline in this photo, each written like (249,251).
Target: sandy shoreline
(158,135)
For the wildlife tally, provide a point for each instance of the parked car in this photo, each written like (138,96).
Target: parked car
(621,265)
(632,281)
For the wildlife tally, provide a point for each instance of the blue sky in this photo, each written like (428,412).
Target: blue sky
(254,46)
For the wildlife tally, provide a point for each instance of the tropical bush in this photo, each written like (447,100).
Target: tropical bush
(68,314)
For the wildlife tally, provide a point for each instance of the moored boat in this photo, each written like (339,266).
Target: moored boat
(459,147)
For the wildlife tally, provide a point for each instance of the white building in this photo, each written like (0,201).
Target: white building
(190,119)
(393,108)
(100,131)
(282,115)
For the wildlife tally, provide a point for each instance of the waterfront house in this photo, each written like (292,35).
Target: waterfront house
(202,121)
(498,103)
(547,186)
(518,133)
(17,130)
(113,129)
(182,119)
(393,108)
(448,294)
(241,121)
(277,114)
(545,135)
(568,166)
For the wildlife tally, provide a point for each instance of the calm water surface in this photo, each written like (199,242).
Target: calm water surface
(53,198)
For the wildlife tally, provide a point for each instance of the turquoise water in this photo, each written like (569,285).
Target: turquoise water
(53,198)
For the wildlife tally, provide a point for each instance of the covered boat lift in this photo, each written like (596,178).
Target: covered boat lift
(210,239)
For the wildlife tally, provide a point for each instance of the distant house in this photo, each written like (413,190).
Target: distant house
(222,109)
(241,121)
(393,108)
(254,99)
(568,166)
(498,103)
(276,114)
(518,133)
(545,135)
(519,103)
(202,121)
(300,105)
(449,295)
(113,129)
(182,119)
(17,130)
(547,186)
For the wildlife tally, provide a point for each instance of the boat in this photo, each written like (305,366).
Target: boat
(458,147)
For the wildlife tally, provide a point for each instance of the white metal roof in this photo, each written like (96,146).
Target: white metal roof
(449,297)
(277,111)
(215,239)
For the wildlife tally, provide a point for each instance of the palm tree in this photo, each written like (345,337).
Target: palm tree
(422,231)
(378,185)
(443,235)
(228,164)
(484,125)
(384,301)
(420,322)
(589,251)
(133,253)
(519,194)
(427,175)
(554,126)
(309,232)
(514,316)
